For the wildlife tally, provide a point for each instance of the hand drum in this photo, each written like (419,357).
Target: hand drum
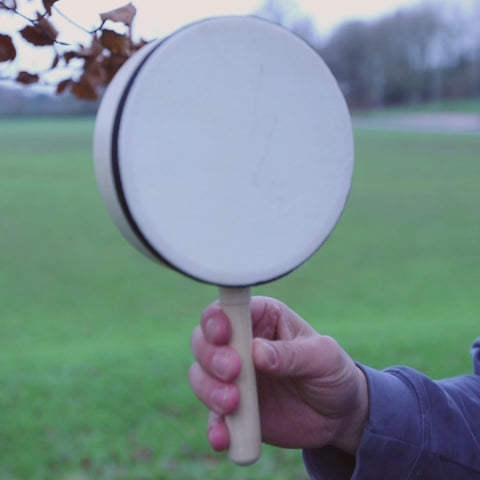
(225,152)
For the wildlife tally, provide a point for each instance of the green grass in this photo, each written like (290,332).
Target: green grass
(468,106)
(94,339)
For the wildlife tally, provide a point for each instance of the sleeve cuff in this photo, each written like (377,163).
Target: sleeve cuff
(392,439)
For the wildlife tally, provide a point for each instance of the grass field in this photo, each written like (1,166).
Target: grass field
(470,105)
(94,339)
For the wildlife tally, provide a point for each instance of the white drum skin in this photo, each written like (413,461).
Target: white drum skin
(225,151)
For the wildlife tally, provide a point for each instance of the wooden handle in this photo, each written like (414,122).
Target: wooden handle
(244,424)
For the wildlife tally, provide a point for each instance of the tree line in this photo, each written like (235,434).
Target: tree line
(422,53)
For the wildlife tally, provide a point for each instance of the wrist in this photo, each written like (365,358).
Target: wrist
(351,426)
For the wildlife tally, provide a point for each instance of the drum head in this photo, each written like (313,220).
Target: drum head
(226,151)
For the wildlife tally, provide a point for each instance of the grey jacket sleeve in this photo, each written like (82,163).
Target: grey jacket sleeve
(417,429)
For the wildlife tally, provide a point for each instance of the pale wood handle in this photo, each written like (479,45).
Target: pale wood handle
(244,424)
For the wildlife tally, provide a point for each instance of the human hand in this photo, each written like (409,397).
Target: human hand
(311,393)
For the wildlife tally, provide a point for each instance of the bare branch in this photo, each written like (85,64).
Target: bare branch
(75,24)
(14,10)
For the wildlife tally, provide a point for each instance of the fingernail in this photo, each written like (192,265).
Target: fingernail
(221,365)
(266,354)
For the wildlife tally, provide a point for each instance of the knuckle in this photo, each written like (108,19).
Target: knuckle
(328,343)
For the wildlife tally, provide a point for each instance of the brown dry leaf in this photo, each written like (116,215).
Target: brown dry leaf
(124,14)
(48,4)
(93,51)
(7,48)
(45,25)
(36,36)
(111,65)
(94,74)
(96,48)
(84,91)
(27,78)
(115,43)
(69,55)
(80,53)
(63,85)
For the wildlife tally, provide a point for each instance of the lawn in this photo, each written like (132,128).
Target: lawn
(466,106)
(94,339)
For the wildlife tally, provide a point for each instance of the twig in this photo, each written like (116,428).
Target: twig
(16,12)
(36,23)
(75,24)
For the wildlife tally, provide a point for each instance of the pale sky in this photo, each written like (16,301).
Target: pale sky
(157,18)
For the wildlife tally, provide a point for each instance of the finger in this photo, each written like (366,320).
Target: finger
(217,432)
(319,356)
(221,362)
(215,325)
(273,320)
(222,398)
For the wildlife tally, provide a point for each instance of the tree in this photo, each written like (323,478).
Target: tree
(110,46)
(349,55)
(421,53)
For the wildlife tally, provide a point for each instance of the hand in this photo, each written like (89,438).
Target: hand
(311,393)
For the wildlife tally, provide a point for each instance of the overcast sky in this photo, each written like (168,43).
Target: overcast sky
(157,18)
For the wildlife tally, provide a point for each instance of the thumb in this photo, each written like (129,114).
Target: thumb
(298,357)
